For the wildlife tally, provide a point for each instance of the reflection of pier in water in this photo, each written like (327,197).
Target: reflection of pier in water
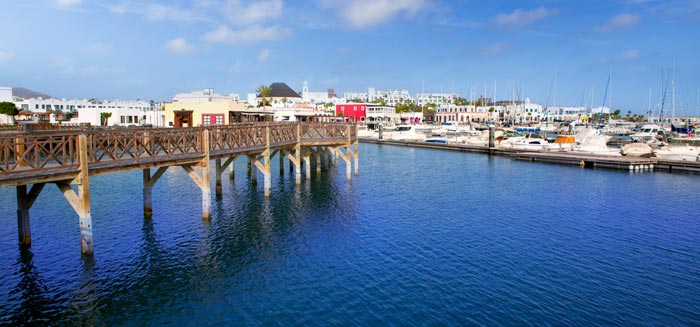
(70,157)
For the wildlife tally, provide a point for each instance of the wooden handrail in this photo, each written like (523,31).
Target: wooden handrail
(37,151)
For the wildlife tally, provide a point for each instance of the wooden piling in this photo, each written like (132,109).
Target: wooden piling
(219,171)
(281,158)
(24,203)
(253,175)
(86,245)
(232,170)
(148,182)
(318,160)
(267,182)
(355,153)
(307,164)
(297,157)
(206,179)
(25,234)
(147,195)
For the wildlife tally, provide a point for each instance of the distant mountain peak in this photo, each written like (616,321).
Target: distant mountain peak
(28,94)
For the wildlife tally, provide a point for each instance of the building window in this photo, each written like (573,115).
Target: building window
(121,119)
(212,119)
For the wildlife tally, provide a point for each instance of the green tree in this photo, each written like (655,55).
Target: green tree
(263,92)
(104,116)
(8,108)
(380,101)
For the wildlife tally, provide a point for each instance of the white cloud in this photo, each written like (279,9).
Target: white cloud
(263,55)
(240,67)
(156,12)
(101,71)
(98,48)
(631,54)
(236,68)
(251,34)
(179,46)
(619,21)
(520,18)
(361,14)
(67,3)
(6,56)
(62,65)
(492,49)
(240,13)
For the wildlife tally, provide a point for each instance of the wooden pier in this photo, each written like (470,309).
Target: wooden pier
(633,164)
(71,157)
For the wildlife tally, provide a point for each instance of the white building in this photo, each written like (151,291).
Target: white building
(318,98)
(464,114)
(561,114)
(5,94)
(123,112)
(440,99)
(206,95)
(390,97)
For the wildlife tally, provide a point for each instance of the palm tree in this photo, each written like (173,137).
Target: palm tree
(264,91)
(104,116)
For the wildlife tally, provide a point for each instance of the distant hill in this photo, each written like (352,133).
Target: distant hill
(28,94)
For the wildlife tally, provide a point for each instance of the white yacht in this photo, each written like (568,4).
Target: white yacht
(647,134)
(678,152)
(404,133)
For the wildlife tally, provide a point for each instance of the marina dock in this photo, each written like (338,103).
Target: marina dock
(632,164)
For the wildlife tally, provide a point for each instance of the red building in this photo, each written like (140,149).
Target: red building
(358,111)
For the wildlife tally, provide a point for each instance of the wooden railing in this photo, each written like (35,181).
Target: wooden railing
(41,151)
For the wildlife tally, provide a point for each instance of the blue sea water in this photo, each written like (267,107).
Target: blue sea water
(421,237)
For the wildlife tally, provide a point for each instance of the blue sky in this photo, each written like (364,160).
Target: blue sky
(154,49)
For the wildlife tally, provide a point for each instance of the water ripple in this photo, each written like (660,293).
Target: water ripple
(422,237)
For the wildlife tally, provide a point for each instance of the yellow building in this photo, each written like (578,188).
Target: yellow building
(205,113)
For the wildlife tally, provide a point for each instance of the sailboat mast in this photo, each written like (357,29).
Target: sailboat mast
(673,91)
(610,94)
(649,107)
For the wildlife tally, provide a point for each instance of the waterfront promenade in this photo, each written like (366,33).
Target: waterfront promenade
(70,157)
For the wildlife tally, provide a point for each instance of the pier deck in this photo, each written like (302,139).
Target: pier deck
(68,157)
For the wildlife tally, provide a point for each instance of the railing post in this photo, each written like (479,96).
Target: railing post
(20,146)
